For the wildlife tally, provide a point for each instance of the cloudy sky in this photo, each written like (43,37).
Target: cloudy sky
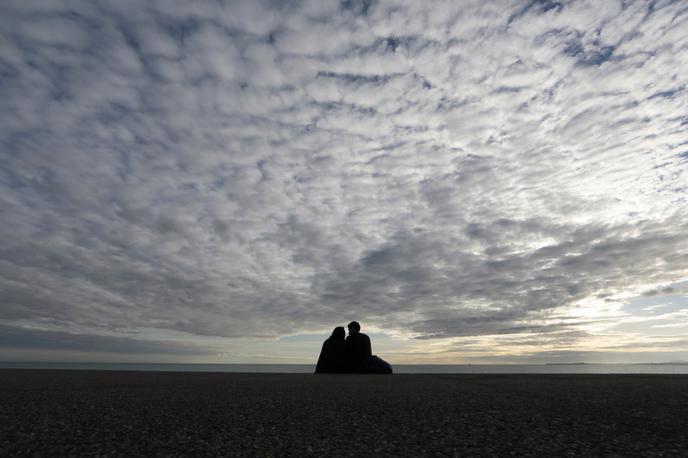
(220,181)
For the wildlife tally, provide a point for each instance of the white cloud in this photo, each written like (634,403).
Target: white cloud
(246,169)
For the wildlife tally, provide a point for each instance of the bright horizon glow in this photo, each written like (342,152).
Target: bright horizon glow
(400,349)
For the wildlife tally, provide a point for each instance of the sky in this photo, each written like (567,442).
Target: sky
(474,182)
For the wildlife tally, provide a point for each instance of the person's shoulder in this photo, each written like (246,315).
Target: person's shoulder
(360,337)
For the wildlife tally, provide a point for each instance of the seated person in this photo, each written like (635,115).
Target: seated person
(358,347)
(333,354)
(359,353)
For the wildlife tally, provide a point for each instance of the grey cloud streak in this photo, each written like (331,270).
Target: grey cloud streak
(255,169)
(35,339)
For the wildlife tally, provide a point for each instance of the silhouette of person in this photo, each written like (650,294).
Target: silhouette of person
(333,354)
(360,356)
(358,348)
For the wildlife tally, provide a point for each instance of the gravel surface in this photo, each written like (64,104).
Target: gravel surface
(103,413)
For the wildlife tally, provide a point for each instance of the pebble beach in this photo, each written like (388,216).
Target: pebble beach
(110,413)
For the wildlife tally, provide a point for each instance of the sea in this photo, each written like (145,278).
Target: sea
(576,368)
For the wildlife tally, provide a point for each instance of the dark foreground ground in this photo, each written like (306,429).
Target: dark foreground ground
(91,413)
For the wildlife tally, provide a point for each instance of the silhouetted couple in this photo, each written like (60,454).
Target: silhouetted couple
(350,355)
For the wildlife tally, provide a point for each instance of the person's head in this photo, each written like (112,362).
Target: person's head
(338,333)
(354,327)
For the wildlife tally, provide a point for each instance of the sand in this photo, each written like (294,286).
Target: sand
(102,413)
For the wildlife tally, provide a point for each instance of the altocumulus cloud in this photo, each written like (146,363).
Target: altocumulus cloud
(243,169)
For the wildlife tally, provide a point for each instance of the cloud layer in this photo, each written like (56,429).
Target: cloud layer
(244,169)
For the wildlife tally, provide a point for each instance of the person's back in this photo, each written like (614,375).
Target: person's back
(358,348)
(333,354)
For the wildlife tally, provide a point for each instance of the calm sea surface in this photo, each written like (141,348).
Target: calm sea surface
(398,368)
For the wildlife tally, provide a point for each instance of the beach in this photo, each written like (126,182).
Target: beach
(120,413)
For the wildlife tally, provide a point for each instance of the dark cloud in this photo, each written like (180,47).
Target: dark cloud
(252,169)
(35,339)
(660,291)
